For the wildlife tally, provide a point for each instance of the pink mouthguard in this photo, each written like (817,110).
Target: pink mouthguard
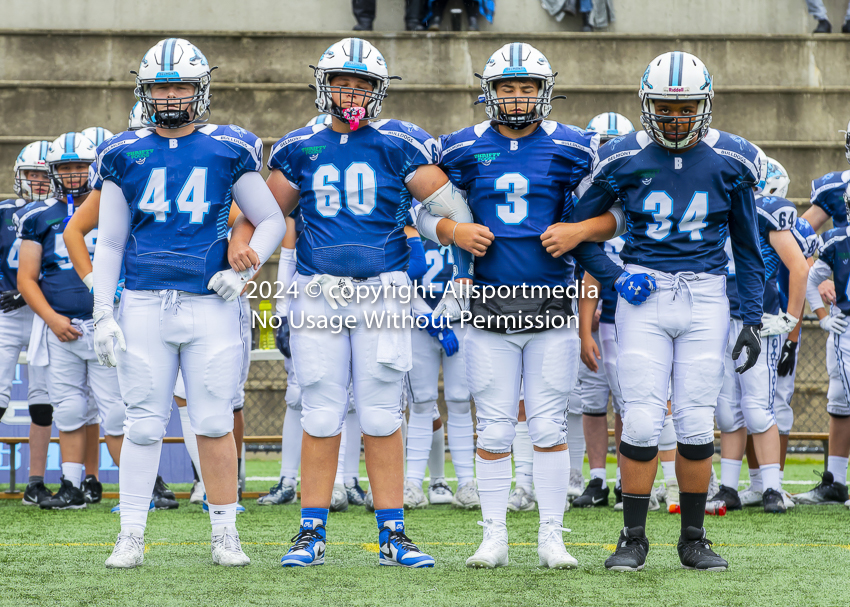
(354,115)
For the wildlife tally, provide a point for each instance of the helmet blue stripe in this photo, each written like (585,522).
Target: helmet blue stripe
(357,50)
(69,143)
(42,155)
(168,54)
(676,69)
(516,59)
(612,121)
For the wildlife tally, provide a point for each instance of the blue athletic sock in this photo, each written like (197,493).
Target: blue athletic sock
(311,518)
(394,515)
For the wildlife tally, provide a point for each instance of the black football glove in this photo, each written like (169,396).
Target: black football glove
(748,338)
(787,359)
(11,301)
(281,337)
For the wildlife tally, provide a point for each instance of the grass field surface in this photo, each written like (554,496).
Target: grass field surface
(56,558)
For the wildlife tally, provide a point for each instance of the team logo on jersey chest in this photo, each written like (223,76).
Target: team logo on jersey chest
(314,151)
(486,159)
(646,176)
(138,156)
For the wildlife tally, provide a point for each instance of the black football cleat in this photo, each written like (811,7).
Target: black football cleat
(67,498)
(728,496)
(773,502)
(595,494)
(35,494)
(92,490)
(163,497)
(826,492)
(632,548)
(695,552)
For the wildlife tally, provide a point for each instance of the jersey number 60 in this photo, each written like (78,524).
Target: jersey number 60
(360,185)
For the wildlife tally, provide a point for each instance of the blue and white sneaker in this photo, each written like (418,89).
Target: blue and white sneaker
(205,506)
(116,509)
(308,547)
(356,495)
(282,493)
(396,549)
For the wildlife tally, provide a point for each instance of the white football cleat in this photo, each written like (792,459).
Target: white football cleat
(847,503)
(749,497)
(786,499)
(550,547)
(414,497)
(576,485)
(467,496)
(129,551)
(198,491)
(713,485)
(521,500)
(439,492)
(653,502)
(661,492)
(493,551)
(672,498)
(339,499)
(226,548)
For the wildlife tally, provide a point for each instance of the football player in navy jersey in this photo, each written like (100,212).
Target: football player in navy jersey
(746,403)
(835,250)
(31,184)
(165,202)
(518,171)
(353,179)
(62,335)
(683,187)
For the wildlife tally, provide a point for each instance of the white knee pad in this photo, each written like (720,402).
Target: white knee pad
(423,407)
(547,432)
(758,419)
(642,425)
(667,439)
(71,414)
(496,437)
(381,422)
(113,425)
(694,425)
(458,407)
(144,431)
(784,419)
(321,423)
(215,426)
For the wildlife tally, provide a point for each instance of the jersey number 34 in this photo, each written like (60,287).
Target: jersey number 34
(660,205)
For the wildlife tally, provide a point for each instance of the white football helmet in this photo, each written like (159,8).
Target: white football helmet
(610,125)
(776,180)
(358,58)
(97,134)
(70,147)
(137,117)
(32,158)
(517,61)
(175,60)
(320,119)
(676,76)
(846,142)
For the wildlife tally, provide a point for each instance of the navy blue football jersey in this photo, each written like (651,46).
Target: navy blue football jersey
(828,194)
(518,188)
(44,222)
(810,243)
(354,202)
(10,244)
(180,193)
(680,207)
(835,252)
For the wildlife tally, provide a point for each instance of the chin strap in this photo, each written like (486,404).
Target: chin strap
(354,115)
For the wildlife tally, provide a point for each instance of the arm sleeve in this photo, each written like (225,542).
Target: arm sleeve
(285,274)
(417,265)
(620,215)
(113,230)
(256,201)
(749,265)
(597,199)
(596,262)
(426,224)
(817,274)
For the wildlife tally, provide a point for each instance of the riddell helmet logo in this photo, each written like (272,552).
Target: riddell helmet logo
(677,89)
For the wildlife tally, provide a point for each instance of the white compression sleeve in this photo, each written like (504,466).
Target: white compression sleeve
(285,275)
(448,201)
(818,273)
(257,203)
(620,216)
(113,230)
(426,224)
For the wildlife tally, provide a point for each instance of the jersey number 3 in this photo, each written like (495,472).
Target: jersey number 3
(515,208)
(660,205)
(192,198)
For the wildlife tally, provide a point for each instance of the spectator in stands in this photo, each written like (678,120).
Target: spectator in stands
(818,11)
(438,6)
(364,13)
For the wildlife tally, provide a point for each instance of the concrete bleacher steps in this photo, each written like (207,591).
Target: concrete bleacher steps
(786,93)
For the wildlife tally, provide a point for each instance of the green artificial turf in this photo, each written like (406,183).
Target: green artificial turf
(56,558)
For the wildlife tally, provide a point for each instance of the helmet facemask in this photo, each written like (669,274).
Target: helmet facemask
(370,101)
(165,118)
(658,125)
(79,182)
(32,190)
(501,110)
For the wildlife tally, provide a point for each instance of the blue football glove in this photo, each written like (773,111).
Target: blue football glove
(433,327)
(281,338)
(448,340)
(635,288)
(118,292)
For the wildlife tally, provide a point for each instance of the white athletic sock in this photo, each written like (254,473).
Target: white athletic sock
(136,478)
(419,433)
(73,472)
(461,443)
(523,457)
(755,479)
(770,476)
(437,458)
(598,473)
(575,440)
(339,479)
(730,472)
(836,465)
(290,444)
(494,486)
(223,515)
(668,469)
(550,483)
(619,482)
(352,448)
(190,440)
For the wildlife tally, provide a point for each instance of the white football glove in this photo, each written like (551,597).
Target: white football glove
(105,330)
(455,301)
(834,324)
(228,284)
(338,290)
(777,324)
